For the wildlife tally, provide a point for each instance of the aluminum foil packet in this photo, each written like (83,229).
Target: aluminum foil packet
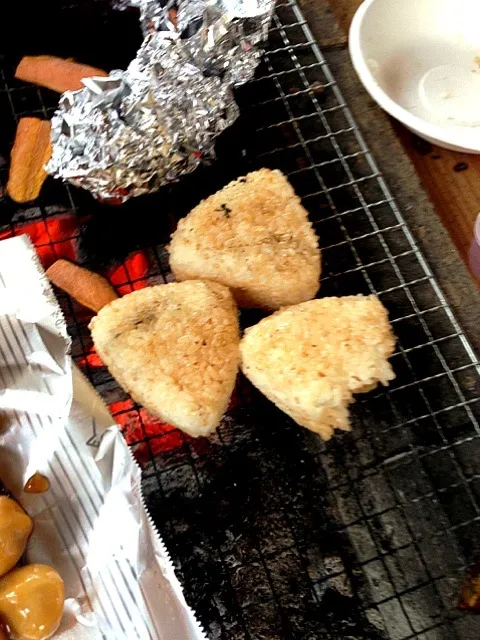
(91,525)
(136,130)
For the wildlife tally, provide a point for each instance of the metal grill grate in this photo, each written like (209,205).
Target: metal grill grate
(276,535)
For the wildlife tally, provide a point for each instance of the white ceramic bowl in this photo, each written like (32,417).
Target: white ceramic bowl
(420,60)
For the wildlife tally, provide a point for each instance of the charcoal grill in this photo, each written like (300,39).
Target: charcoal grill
(275,534)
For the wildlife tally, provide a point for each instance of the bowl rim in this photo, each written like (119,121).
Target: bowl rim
(432,131)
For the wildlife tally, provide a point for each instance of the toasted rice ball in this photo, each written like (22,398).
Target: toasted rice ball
(311,358)
(175,349)
(254,237)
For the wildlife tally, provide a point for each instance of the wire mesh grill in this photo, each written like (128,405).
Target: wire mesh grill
(275,534)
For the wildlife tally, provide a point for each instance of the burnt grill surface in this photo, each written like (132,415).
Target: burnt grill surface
(275,534)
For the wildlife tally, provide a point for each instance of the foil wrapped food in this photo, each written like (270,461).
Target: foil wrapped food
(91,525)
(134,131)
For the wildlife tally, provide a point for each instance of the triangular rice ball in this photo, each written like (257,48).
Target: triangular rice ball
(311,358)
(254,237)
(175,349)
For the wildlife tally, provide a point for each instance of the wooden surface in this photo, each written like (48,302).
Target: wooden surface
(452,180)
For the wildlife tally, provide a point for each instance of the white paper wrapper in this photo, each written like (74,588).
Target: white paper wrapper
(91,525)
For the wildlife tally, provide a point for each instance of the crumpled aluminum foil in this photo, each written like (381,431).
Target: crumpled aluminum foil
(136,130)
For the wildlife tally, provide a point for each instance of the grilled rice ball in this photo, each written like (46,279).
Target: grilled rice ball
(254,237)
(311,358)
(175,349)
